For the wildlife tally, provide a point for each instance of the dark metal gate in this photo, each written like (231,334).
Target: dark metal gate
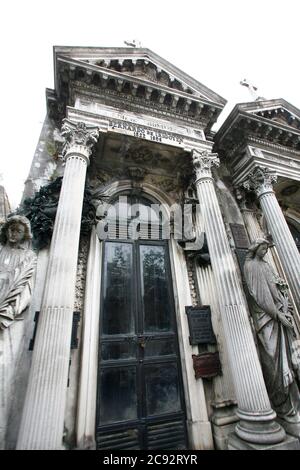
(140,403)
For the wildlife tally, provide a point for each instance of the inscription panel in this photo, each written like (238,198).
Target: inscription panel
(239,235)
(140,125)
(200,326)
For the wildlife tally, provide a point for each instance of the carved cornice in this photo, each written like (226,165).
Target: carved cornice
(135,103)
(78,135)
(204,162)
(280,148)
(260,180)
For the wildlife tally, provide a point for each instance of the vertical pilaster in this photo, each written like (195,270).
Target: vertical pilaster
(261,180)
(42,422)
(87,394)
(257,423)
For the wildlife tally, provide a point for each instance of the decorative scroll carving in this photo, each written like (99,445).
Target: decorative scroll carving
(260,180)
(204,161)
(17,265)
(41,212)
(78,134)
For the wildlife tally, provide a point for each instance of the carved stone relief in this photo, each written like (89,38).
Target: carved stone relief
(81,274)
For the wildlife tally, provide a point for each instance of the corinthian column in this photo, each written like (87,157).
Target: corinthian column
(260,180)
(256,423)
(42,422)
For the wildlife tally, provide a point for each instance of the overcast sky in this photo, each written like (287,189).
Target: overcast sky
(218,42)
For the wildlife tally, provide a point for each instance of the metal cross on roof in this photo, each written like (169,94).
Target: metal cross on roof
(252,88)
(133,43)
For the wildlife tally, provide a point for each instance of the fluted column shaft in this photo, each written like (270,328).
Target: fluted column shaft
(254,409)
(285,244)
(42,422)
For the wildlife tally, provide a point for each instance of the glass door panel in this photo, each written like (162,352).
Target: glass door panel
(118,394)
(154,289)
(162,389)
(118,315)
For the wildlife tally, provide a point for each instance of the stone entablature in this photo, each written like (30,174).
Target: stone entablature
(126,123)
(273,157)
(90,104)
(137,104)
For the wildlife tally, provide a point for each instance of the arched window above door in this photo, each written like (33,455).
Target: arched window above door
(129,216)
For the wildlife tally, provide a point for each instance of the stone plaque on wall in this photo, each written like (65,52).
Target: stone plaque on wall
(206,365)
(200,326)
(239,235)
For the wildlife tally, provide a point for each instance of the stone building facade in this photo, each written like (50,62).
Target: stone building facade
(116,360)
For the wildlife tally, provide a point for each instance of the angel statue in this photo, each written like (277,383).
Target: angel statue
(273,321)
(17,265)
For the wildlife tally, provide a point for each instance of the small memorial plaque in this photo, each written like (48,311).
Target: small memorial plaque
(206,365)
(200,326)
(239,235)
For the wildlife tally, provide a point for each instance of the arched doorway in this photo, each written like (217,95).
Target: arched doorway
(140,401)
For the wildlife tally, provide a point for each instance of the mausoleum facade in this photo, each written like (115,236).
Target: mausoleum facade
(163,254)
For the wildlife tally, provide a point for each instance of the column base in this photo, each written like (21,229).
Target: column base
(259,429)
(291,428)
(262,433)
(289,443)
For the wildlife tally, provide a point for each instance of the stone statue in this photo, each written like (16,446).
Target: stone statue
(273,321)
(17,265)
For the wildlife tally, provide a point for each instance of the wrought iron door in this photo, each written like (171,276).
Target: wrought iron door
(140,403)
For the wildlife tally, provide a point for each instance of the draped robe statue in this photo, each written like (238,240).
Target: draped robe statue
(17,265)
(273,321)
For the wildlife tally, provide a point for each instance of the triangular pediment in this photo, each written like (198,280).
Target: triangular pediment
(141,64)
(274,121)
(277,111)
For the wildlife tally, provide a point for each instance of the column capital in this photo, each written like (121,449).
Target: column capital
(79,138)
(203,162)
(260,180)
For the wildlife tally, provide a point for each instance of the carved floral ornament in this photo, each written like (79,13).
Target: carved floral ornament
(204,161)
(260,180)
(78,134)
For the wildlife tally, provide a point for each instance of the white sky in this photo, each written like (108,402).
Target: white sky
(218,42)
